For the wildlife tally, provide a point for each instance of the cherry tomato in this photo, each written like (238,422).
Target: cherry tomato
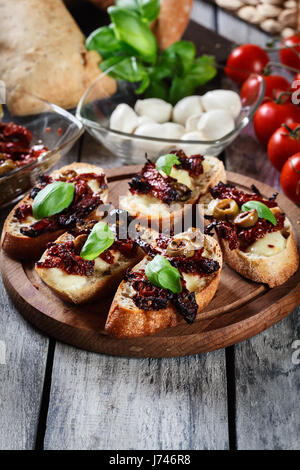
(245,60)
(290,178)
(290,51)
(274,84)
(271,115)
(284,143)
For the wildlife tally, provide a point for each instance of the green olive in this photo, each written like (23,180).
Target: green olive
(180,247)
(247,219)
(225,208)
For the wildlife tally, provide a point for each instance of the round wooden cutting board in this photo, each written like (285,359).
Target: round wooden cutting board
(239,310)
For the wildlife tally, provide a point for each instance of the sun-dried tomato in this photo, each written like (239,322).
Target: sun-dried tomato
(84,202)
(66,256)
(193,165)
(229,191)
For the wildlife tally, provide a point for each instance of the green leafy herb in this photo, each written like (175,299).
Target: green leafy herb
(52,199)
(100,239)
(128,69)
(148,9)
(104,41)
(130,28)
(262,210)
(165,163)
(162,274)
(130,53)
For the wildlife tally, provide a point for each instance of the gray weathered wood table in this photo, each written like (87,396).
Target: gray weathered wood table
(54,396)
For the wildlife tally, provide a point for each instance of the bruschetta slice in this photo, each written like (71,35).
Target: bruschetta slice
(24,237)
(141,308)
(80,280)
(256,237)
(159,200)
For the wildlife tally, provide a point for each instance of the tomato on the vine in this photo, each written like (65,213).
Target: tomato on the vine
(290,178)
(290,51)
(274,85)
(271,115)
(245,60)
(284,143)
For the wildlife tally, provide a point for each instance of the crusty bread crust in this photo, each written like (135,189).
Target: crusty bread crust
(172,21)
(19,246)
(125,322)
(208,180)
(272,270)
(97,287)
(43,53)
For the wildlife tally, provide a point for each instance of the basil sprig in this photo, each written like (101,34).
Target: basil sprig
(262,210)
(165,163)
(162,274)
(100,239)
(130,53)
(52,199)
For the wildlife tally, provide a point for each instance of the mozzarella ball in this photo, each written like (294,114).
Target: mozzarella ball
(152,148)
(222,99)
(193,149)
(123,119)
(154,108)
(187,107)
(172,130)
(150,129)
(215,124)
(144,120)
(191,124)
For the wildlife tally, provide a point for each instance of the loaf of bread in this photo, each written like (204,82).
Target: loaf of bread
(42,52)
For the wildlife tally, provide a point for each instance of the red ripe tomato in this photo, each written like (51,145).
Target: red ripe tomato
(271,115)
(290,178)
(274,84)
(284,143)
(290,51)
(245,60)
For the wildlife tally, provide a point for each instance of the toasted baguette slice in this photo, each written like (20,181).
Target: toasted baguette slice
(274,269)
(153,212)
(19,246)
(79,289)
(126,320)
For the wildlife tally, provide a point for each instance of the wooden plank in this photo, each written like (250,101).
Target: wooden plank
(102,402)
(239,31)
(204,13)
(21,377)
(22,370)
(267,388)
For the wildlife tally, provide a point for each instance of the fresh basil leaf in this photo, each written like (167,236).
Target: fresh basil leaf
(131,29)
(143,85)
(263,211)
(165,163)
(100,239)
(160,71)
(128,69)
(180,88)
(162,274)
(203,70)
(157,90)
(170,279)
(148,9)
(52,199)
(104,41)
(181,52)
